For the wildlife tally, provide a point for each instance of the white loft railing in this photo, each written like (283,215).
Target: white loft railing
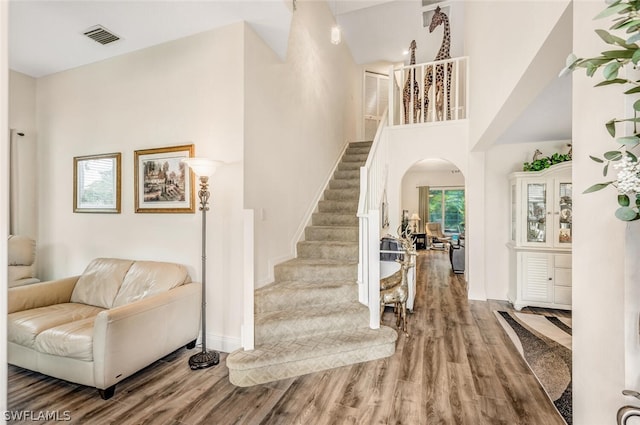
(373,179)
(436,91)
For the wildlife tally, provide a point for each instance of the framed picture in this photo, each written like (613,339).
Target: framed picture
(164,184)
(96,183)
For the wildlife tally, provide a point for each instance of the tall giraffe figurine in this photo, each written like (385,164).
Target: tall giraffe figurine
(406,92)
(439,17)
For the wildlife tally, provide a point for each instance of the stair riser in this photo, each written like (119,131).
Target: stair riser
(315,272)
(347,174)
(342,194)
(328,252)
(292,299)
(342,234)
(343,166)
(300,327)
(274,372)
(355,145)
(340,207)
(360,158)
(357,151)
(331,219)
(345,184)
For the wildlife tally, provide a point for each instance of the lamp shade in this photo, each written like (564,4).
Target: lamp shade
(415,217)
(202,166)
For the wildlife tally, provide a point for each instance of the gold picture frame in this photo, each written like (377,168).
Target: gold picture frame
(163,183)
(96,183)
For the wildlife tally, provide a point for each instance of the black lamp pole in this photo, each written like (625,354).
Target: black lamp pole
(204,358)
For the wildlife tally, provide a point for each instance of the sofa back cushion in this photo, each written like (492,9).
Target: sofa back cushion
(22,250)
(146,278)
(100,282)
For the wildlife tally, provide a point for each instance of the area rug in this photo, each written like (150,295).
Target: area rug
(545,344)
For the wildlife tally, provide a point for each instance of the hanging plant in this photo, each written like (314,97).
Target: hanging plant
(623,52)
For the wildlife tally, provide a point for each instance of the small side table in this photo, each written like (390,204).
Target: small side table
(421,240)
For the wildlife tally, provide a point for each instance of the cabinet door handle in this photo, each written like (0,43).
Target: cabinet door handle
(550,278)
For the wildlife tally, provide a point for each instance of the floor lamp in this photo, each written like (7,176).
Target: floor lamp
(203,169)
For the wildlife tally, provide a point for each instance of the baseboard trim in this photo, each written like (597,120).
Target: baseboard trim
(306,220)
(225,344)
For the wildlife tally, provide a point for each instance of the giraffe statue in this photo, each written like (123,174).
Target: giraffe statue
(407,91)
(439,17)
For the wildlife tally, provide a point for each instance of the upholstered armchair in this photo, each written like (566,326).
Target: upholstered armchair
(22,259)
(435,236)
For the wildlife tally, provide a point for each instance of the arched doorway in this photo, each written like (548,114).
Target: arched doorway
(433,191)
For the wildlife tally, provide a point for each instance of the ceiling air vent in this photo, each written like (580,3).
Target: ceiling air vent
(101,35)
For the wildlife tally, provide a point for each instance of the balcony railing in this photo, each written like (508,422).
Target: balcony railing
(429,92)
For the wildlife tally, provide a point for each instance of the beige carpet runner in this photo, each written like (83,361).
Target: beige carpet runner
(309,319)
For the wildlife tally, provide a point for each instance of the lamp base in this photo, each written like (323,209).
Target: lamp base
(204,359)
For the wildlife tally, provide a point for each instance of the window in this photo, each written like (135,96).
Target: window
(447,206)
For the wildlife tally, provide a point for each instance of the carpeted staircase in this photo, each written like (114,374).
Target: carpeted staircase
(309,319)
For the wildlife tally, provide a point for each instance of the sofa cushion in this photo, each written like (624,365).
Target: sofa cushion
(24,326)
(20,272)
(100,282)
(22,250)
(73,339)
(146,278)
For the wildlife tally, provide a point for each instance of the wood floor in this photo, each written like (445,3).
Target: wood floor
(457,367)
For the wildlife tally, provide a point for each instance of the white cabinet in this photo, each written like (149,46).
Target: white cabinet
(540,245)
(543,280)
(541,207)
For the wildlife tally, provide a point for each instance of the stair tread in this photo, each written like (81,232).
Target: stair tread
(314,311)
(302,284)
(295,294)
(318,262)
(310,347)
(330,242)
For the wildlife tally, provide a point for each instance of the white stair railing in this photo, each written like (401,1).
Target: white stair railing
(444,84)
(373,179)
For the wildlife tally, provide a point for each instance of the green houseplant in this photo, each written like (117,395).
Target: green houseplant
(546,161)
(622,53)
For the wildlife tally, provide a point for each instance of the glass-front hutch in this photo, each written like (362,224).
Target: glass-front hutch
(540,245)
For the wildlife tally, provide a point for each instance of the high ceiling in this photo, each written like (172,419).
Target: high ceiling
(46,37)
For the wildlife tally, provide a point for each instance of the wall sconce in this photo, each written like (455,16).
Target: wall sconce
(336,32)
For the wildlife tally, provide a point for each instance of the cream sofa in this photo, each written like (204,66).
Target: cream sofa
(101,327)
(22,258)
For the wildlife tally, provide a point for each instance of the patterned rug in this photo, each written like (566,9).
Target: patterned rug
(545,344)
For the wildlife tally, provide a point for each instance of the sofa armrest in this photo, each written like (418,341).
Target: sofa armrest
(41,294)
(132,336)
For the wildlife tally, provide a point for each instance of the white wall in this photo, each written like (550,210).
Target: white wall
(413,143)
(298,116)
(502,39)
(598,251)
(186,91)
(502,160)
(22,118)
